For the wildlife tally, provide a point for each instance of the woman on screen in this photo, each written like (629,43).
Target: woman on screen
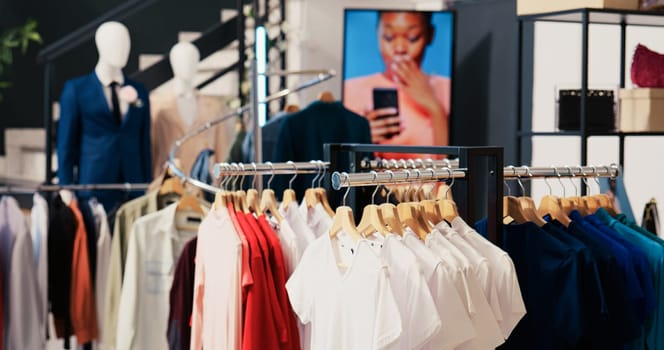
(419,113)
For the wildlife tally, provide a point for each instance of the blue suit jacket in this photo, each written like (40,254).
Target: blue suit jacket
(93,148)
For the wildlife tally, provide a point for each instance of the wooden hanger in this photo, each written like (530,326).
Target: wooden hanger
(253,201)
(343,220)
(552,205)
(446,206)
(269,199)
(189,203)
(289,195)
(292,108)
(527,205)
(372,219)
(390,214)
(512,210)
(326,96)
(322,193)
(311,198)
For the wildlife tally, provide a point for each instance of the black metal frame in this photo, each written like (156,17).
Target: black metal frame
(467,194)
(584,16)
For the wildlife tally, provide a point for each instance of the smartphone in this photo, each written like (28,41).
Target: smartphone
(387,98)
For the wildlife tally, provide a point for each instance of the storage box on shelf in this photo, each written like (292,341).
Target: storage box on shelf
(642,110)
(528,7)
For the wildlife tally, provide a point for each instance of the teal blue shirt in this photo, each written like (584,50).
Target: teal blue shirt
(654,252)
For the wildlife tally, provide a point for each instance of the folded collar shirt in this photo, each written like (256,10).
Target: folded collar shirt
(154,248)
(504,276)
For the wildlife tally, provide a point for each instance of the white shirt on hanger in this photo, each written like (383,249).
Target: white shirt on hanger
(505,278)
(317,218)
(153,250)
(303,233)
(350,307)
(103,262)
(489,335)
(410,291)
(39,231)
(457,327)
(480,265)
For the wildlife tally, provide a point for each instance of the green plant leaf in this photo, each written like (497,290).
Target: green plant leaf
(5,84)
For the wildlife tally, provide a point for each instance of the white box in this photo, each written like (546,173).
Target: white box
(641,109)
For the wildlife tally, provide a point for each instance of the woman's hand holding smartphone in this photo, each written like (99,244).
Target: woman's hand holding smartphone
(384,118)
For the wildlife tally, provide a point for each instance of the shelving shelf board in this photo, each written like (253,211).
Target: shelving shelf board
(600,16)
(590,133)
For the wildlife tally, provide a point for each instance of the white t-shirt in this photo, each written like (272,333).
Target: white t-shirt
(489,335)
(288,243)
(349,306)
(504,276)
(317,218)
(480,265)
(411,292)
(457,327)
(303,233)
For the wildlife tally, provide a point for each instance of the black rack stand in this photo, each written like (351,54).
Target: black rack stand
(478,195)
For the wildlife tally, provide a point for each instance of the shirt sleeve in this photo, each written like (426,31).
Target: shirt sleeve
(196,342)
(300,292)
(420,322)
(457,328)
(129,307)
(387,328)
(69,138)
(113,286)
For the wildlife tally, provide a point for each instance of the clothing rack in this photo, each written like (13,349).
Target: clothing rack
(409,163)
(321,76)
(22,189)
(479,194)
(269,168)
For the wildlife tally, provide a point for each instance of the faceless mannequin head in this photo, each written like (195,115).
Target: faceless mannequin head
(184,58)
(113,44)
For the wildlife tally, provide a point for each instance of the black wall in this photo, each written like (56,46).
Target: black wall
(153,30)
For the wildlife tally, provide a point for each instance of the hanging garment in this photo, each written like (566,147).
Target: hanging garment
(2,311)
(201,171)
(61,235)
(654,252)
(316,218)
(124,218)
(154,247)
(91,141)
(280,275)
(23,319)
(414,300)
(39,231)
(328,295)
(504,276)
(302,135)
(181,298)
(217,313)
(457,328)
(650,220)
(302,235)
(263,315)
(103,243)
(269,133)
(234,153)
(489,334)
(82,307)
(168,125)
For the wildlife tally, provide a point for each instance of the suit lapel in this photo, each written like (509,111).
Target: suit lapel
(99,93)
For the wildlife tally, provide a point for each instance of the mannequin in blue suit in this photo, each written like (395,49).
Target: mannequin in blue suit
(94,144)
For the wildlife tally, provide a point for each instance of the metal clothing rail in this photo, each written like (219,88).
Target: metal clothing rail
(409,163)
(269,168)
(525,172)
(22,189)
(322,75)
(343,179)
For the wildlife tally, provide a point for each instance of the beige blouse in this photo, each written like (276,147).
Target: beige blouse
(168,126)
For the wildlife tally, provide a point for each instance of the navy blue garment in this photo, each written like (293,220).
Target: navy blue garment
(269,134)
(624,294)
(201,170)
(643,268)
(302,135)
(594,308)
(482,227)
(94,149)
(548,275)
